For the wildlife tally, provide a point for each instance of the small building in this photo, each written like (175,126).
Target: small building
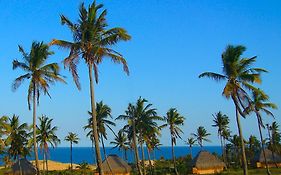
(117,165)
(206,163)
(272,158)
(23,167)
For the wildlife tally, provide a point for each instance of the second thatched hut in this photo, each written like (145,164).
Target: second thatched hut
(206,163)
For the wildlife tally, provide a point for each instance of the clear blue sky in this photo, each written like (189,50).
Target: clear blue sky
(172,43)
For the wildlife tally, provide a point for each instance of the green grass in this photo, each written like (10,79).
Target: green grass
(274,171)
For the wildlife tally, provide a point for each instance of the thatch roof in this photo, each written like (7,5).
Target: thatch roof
(269,157)
(24,166)
(205,160)
(117,165)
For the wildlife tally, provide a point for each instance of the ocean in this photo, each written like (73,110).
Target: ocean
(81,154)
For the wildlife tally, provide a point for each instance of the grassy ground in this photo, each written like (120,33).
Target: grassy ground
(274,171)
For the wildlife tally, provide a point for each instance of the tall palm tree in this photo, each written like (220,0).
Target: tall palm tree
(17,139)
(259,103)
(121,142)
(41,75)
(238,73)
(103,112)
(46,134)
(73,139)
(130,128)
(174,120)
(221,122)
(92,42)
(201,135)
(190,142)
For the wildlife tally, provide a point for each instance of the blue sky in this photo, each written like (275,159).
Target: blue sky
(172,43)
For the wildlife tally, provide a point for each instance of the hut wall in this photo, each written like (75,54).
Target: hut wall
(207,171)
(270,165)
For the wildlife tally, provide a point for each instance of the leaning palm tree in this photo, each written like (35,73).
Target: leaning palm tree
(46,134)
(238,73)
(121,142)
(201,135)
(174,120)
(221,122)
(73,139)
(92,42)
(190,142)
(41,75)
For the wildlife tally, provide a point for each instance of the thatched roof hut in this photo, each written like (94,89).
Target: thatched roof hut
(24,166)
(206,163)
(272,158)
(117,165)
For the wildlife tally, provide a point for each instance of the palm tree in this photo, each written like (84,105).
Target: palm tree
(130,128)
(174,120)
(92,42)
(221,121)
(4,128)
(142,121)
(238,73)
(190,141)
(121,142)
(46,134)
(274,138)
(102,113)
(259,103)
(201,135)
(41,75)
(225,135)
(17,138)
(73,139)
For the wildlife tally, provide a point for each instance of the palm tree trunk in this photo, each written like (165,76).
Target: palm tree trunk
(95,131)
(245,165)
(262,145)
(222,149)
(43,161)
(190,149)
(149,159)
(71,167)
(136,148)
(46,158)
(104,154)
(34,130)
(174,158)
(142,154)
(126,157)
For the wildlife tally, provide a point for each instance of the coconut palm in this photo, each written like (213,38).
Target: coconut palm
(221,122)
(4,129)
(41,75)
(73,139)
(130,128)
(141,121)
(46,134)
(190,142)
(201,135)
(103,112)
(17,139)
(121,142)
(259,103)
(92,42)
(174,120)
(239,74)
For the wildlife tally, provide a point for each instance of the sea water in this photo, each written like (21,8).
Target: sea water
(87,154)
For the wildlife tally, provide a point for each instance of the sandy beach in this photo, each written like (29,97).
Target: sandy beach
(53,165)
